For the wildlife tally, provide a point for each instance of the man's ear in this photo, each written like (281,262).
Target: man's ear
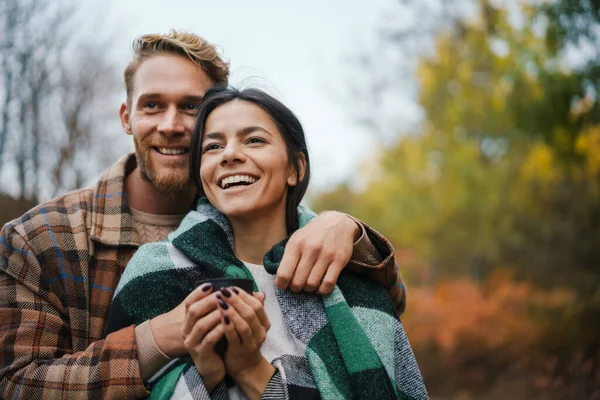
(301,161)
(125,119)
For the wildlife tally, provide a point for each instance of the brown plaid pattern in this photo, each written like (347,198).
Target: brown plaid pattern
(59,266)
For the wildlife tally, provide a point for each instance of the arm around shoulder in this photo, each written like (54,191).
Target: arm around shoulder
(374,256)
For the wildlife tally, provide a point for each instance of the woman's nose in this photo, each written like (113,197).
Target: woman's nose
(232,153)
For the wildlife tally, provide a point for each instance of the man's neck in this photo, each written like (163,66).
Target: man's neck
(253,238)
(142,195)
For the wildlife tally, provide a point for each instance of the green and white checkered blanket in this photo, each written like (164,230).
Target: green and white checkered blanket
(356,347)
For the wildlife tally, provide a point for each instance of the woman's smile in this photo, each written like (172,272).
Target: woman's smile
(240,179)
(238,188)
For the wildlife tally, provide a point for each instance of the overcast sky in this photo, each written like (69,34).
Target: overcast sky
(296,50)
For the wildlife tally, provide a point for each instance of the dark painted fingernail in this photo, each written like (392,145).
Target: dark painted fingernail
(206,287)
(265,294)
(223,305)
(227,320)
(235,290)
(218,296)
(226,292)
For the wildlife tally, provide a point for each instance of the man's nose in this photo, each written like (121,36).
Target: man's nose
(232,153)
(172,122)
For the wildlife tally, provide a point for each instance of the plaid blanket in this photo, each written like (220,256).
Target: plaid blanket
(356,346)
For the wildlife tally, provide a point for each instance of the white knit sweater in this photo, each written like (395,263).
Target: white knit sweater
(279,340)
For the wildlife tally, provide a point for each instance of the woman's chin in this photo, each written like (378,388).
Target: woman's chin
(246,212)
(242,211)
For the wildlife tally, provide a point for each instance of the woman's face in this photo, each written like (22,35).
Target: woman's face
(244,166)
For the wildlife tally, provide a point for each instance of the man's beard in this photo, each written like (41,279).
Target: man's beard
(167,181)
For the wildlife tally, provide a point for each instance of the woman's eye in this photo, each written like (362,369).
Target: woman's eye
(255,140)
(211,147)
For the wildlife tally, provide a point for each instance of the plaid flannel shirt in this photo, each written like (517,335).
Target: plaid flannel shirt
(60,264)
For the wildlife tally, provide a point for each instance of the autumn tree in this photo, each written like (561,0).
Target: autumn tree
(502,173)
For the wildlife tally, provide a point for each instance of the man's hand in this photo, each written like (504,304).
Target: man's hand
(316,254)
(169,329)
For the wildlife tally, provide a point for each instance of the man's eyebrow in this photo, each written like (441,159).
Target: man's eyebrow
(152,96)
(193,99)
(148,96)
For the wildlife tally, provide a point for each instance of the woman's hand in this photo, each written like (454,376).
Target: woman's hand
(245,324)
(201,330)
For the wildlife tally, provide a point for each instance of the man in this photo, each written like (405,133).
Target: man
(61,262)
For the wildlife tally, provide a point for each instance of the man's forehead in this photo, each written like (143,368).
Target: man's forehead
(170,74)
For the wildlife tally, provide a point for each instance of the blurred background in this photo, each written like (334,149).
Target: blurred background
(467,132)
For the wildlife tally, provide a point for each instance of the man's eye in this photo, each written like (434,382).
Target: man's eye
(191,107)
(151,105)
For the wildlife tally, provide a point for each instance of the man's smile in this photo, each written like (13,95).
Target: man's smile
(172,151)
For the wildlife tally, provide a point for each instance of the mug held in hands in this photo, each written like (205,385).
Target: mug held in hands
(217,284)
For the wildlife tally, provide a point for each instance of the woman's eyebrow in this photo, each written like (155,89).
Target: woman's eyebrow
(212,135)
(249,129)
(240,133)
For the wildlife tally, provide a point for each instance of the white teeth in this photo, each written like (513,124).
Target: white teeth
(171,152)
(225,183)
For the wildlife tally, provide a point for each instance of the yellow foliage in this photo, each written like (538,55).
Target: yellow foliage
(540,165)
(588,145)
(504,171)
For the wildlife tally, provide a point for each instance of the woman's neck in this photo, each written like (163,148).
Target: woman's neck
(253,238)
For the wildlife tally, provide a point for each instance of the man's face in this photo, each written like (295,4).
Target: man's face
(166,92)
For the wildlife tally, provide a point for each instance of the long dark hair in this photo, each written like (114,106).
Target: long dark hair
(288,124)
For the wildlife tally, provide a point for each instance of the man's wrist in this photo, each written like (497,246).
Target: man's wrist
(354,225)
(359,232)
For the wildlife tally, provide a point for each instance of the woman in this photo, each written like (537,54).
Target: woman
(249,160)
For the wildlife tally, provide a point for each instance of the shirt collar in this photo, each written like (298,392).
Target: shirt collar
(112,222)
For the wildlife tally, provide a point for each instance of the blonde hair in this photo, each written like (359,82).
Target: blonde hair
(188,45)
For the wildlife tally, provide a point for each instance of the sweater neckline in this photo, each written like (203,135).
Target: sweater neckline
(256,269)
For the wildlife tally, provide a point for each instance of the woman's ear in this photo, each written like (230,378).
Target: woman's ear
(296,177)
